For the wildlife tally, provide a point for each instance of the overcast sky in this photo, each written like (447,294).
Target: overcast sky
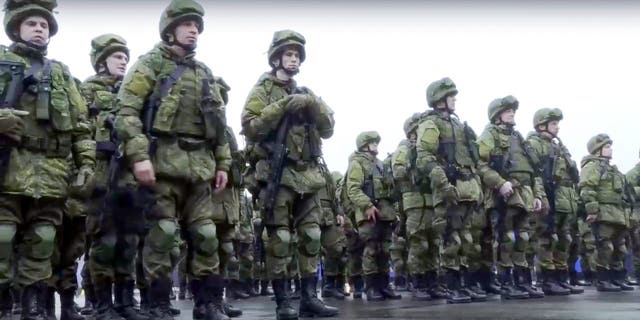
(371,61)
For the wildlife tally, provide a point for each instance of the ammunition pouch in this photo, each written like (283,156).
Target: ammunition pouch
(52,147)
(106,148)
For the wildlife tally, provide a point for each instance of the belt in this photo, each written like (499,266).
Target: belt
(51,147)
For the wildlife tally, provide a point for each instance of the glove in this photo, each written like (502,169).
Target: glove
(450,194)
(300,101)
(11,125)
(84,184)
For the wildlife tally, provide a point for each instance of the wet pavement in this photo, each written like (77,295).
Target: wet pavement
(587,306)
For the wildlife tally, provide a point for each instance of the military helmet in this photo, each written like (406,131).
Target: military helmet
(366,138)
(497,106)
(596,143)
(284,38)
(545,115)
(18,10)
(336,176)
(439,90)
(103,46)
(411,124)
(178,11)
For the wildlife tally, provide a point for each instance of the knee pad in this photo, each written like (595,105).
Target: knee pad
(227,248)
(310,240)
(279,243)
(104,250)
(204,239)
(623,248)
(607,245)
(162,236)
(524,236)
(7,235)
(43,241)
(128,247)
(509,237)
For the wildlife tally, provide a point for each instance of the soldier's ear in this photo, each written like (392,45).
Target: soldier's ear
(275,63)
(171,38)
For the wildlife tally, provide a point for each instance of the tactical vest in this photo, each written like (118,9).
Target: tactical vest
(41,91)
(513,157)
(612,184)
(556,164)
(102,111)
(375,186)
(453,146)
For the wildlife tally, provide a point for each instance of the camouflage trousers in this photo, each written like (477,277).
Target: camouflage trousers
(91,225)
(259,259)
(424,241)
(246,260)
(551,241)
(189,205)
(584,246)
(294,214)
(355,248)
(30,224)
(611,245)
(399,254)
(634,243)
(377,241)
(334,250)
(513,233)
(458,240)
(481,255)
(70,243)
(229,265)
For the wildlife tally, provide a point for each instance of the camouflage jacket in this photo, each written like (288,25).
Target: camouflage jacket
(178,122)
(365,175)
(602,190)
(56,135)
(404,172)
(633,178)
(263,111)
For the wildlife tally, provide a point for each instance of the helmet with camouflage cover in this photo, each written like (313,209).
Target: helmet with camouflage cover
(18,10)
(411,124)
(596,143)
(103,46)
(545,115)
(178,11)
(367,137)
(439,90)
(497,106)
(281,40)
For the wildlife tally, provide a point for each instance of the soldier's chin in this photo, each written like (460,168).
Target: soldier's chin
(291,71)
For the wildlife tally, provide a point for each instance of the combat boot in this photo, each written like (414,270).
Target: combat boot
(295,294)
(124,304)
(251,288)
(284,310)
(385,287)
(159,302)
(358,286)
(589,277)
(470,287)
(49,303)
(435,290)
(67,306)
(33,301)
(420,288)
(144,300)
(373,292)
(508,289)
(207,296)
(340,293)
(523,280)
(328,286)
(310,305)
(618,278)
(400,283)
(17,295)
(235,290)
(574,280)
(562,280)
(453,283)
(89,300)
(6,303)
(182,290)
(550,286)
(487,280)
(604,284)
(264,288)
(104,305)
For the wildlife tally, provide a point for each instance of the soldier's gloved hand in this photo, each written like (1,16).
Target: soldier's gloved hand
(11,125)
(506,189)
(450,194)
(299,101)
(84,183)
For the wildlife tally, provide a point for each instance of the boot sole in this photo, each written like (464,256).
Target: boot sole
(315,315)
(557,293)
(508,297)
(458,301)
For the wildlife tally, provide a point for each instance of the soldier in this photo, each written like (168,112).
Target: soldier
(513,190)
(370,193)
(417,205)
(398,249)
(633,178)
(604,192)
(334,243)
(171,120)
(355,246)
(448,156)
(276,108)
(244,246)
(560,177)
(261,282)
(44,133)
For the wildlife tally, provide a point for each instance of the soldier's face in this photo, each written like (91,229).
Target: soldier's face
(553,127)
(187,33)
(607,151)
(291,60)
(117,64)
(508,116)
(373,148)
(451,103)
(35,30)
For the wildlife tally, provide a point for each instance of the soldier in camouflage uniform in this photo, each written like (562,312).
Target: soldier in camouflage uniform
(447,155)
(113,247)
(560,178)
(42,140)
(513,191)
(633,178)
(334,243)
(603,190)
(355,246)
(417,205)
(244,245)
(370,193)
(180,154)
(276,97)
(399,251)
